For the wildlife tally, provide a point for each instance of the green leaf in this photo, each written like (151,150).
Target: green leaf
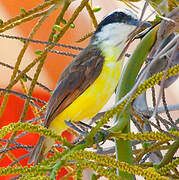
(38,52)
(97,9)
(55,36)
(64,21)
(23,11)
(57,27)
(1,21)
(94,177)
(156,166)
(157,18)
(72,25)
(24,79)
(173,129)
(22,41)
(145,145)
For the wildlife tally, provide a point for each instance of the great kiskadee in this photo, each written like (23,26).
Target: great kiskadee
(90,79)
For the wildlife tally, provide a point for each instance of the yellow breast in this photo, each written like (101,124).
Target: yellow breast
(94,98)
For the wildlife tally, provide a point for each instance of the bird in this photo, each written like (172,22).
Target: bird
(88,82)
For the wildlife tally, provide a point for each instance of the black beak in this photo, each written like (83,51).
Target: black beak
(138,23)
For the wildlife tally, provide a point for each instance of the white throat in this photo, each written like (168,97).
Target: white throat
(114,34)
(113,37)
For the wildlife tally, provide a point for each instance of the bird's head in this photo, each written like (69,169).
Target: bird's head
(116,27)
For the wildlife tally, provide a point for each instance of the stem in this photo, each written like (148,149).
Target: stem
(126,82)
(63,160)
(170,153)
(125,153)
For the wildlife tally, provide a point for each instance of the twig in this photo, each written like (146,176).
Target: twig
(58,21)
(172,107)
(163,79)
(29,121)
(35,119)
(151,148)
(166,107)
(156,9)
(136,124)
(62,53)
(16,147)
(153,97)
(161,130)
(24,96)
(144,9)
(41,42)
(28,13)
(10,141)
(86,36)
(170,153)
(164,122)
(15,177)
(26,19)
(26,76)
(18,159)
(91,13)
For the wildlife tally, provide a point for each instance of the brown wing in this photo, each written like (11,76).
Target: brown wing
(75,79)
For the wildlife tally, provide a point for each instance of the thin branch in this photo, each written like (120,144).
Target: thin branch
(24,96)
(41,42)
(26,19)
(166,107)
(161,130)
(170,153)
(164,122)
(144,9)
(145,115)
(16,177)
(28,13)
(135,122)
(86,36)
(172,107)
(26,76)
(16,147)
(18,159)
(35,119)
(10,141)
(62,53)
(29,121)
(163,79)
(153,97)
(91,13)
(156,9)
